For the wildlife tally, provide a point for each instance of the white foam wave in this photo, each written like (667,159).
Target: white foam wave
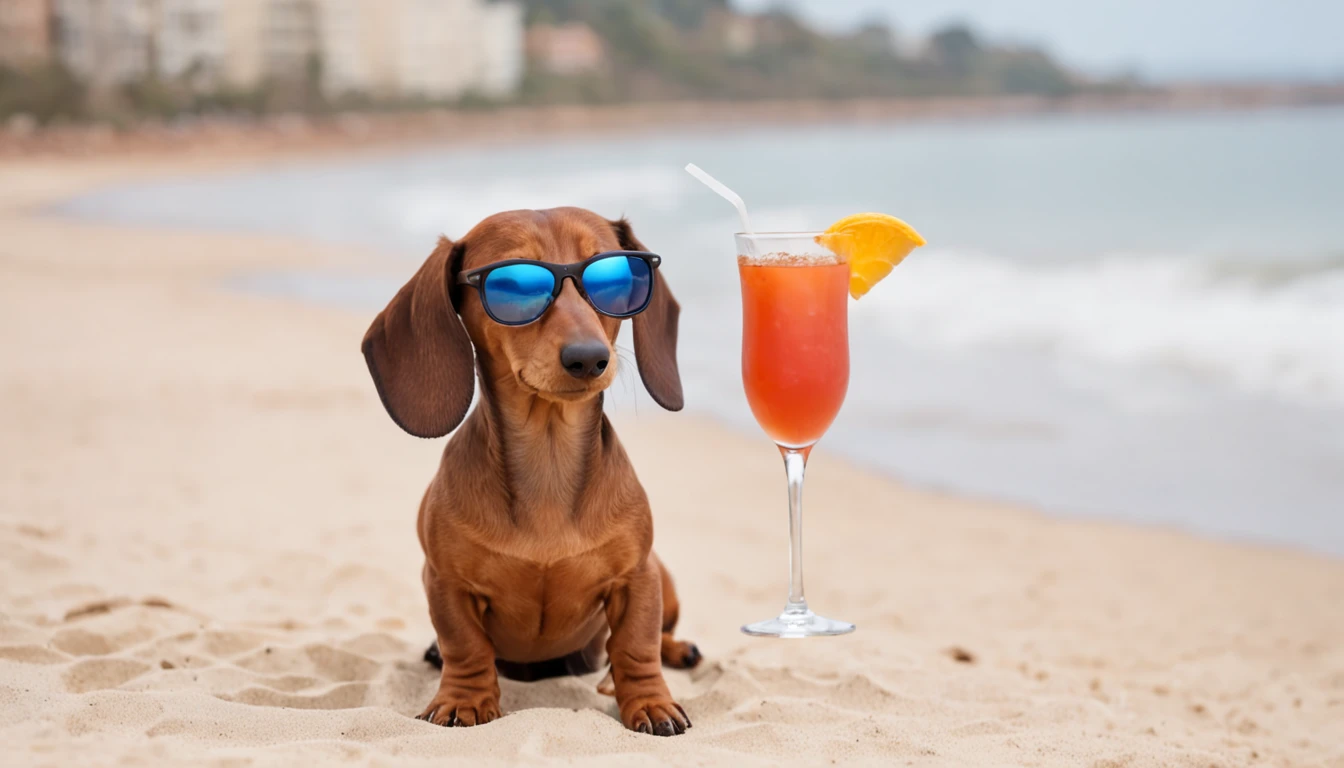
(1280,338)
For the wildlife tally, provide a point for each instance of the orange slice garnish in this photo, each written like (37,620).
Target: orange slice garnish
(873,244)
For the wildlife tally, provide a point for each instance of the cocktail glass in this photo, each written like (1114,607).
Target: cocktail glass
(795,368)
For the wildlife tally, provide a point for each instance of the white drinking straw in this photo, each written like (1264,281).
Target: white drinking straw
(724,192)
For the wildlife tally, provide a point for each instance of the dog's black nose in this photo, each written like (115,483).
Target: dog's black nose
(585,359)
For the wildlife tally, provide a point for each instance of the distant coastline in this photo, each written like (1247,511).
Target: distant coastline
(301,134)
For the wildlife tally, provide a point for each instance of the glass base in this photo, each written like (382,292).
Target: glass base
(794,623)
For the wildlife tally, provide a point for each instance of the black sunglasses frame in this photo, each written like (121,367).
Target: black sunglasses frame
(476,279)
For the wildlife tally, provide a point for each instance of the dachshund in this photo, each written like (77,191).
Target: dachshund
(536,532)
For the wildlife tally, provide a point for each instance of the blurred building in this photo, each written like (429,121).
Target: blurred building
(565,49)
(105,42)
(241,23)
(25,31)
(189,41)
(268,41)
(436,50)
(202,42)
(354,42)
(431,49)
(289,41)
(502,50)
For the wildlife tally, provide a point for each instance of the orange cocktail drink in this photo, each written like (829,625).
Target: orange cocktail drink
(795,342)
(795,368)
(795,356)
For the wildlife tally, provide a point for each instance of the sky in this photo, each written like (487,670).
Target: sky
(1160,39)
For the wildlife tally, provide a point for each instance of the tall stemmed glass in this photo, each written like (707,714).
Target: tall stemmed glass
(795,368)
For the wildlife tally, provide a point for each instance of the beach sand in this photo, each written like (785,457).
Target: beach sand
(207,557)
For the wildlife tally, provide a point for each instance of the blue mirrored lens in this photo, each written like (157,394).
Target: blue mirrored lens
(618,285)
(518,293)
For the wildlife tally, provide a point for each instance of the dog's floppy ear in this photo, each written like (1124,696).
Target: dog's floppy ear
(419,353)
(655,333)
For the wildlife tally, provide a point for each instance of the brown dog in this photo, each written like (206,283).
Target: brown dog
(537,534)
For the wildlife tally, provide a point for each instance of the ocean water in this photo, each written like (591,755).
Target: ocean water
(1138,318)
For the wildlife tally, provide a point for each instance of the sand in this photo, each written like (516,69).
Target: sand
(207,557)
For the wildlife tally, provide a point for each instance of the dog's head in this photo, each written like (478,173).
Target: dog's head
(420,348)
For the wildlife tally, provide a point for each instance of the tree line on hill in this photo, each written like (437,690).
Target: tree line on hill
(659,49)
(651,50)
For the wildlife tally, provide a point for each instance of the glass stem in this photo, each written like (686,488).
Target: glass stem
(795,462)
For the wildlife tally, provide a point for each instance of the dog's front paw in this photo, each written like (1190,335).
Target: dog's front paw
(461,709)
(660,716)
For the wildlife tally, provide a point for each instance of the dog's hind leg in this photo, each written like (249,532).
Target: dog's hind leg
(677,654)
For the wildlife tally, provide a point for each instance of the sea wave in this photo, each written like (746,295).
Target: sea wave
(1264,329)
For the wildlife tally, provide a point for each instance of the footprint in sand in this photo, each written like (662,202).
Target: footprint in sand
(32,654)
(99,674)
(319,659)
(379,645)
(341,696)
(80,642)
(228,644)
(30,558)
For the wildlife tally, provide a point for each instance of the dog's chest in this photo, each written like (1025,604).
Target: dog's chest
(560,563)
(549,604)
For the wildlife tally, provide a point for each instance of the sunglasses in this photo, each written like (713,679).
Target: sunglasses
(518,291)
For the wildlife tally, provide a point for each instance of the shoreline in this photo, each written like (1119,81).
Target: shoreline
(211,557)
(291,134)
(705,418)
(376,265)
(373,262)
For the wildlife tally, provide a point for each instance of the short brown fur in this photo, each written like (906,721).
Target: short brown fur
(536,532)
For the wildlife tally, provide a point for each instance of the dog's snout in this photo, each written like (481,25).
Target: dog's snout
(585,359)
